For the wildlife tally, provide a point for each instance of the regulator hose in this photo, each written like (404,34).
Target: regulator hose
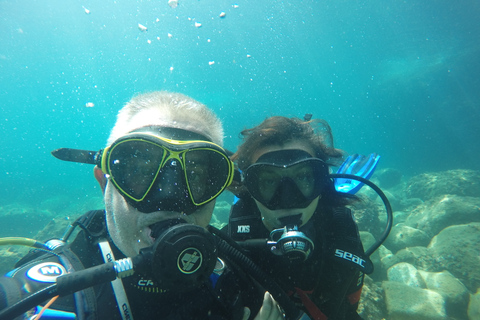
(34,299)
(230,250)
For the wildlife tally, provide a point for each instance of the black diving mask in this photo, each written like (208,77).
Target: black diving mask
(286,179)
(155,173)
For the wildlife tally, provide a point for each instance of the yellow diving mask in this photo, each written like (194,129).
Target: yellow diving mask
(156,173)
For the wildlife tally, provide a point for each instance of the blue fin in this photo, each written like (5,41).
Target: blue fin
(51,314)
(359,165)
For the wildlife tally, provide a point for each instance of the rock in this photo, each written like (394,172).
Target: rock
(368,240)
(22,221)
(416,256)
(456,182)
(405,302)
(474,306)
(444,211)
(456,295)
(400,216)
(402,236)
(456,249)
(366,214)
(389,177)
(410,203)
(406,273)
(372,304)
(395,200)
(55,229)
(10,256)
(387,258)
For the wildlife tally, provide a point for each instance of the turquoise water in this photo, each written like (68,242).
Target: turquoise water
(400,78)
(395,77)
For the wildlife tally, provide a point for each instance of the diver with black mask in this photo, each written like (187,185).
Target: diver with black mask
(160,174)
(292,221)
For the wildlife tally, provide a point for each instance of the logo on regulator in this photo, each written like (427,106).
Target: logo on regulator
(189,260)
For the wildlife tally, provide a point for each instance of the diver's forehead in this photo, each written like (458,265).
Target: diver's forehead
(152,121)
(171,133)
(289,145)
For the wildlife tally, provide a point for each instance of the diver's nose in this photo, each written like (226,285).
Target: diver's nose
(290,195)
(170,178)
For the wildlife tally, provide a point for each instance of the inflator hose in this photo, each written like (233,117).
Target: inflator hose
(384,198)
(229,249)
(18,241)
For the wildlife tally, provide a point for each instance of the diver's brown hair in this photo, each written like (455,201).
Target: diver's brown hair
(278,130)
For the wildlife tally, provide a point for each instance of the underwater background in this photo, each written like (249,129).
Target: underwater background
(400,78)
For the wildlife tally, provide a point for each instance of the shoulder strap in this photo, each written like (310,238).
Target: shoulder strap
(117,284)
(93,228)
(245,221)
(93,223)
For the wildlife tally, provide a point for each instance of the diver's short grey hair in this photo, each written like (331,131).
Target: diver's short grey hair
(168,109)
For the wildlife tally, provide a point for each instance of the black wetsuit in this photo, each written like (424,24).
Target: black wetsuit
(329,283)
(218,298)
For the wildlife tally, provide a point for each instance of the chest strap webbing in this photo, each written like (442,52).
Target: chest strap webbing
(312,308)
(117,284)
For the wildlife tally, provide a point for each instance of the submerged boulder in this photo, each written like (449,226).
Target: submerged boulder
(406,302)
(406,273)
(456,249)
(389,177)
(474,306)
(403,236)
(366,214)
(444,211)
(416,256)
(372,304)
(454,292)
(456,182)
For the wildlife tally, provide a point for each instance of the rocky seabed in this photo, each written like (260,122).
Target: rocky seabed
(427,269)
(429,266)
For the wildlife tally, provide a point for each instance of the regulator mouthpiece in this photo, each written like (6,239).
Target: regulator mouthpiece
(182,257)
(290,242)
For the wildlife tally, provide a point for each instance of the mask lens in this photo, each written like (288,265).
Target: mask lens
(301,175)
(207,173)
(134,165)
(304,179)
(268,181)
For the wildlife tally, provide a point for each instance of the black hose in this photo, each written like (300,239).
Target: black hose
(384,198)
(231,250)
(29,302)
(66,284)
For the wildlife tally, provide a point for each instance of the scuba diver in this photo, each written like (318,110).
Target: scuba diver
(160,174)
(291,216)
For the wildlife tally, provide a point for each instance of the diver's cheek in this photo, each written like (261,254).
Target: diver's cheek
(122,223)
(202,216)
(308,212)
